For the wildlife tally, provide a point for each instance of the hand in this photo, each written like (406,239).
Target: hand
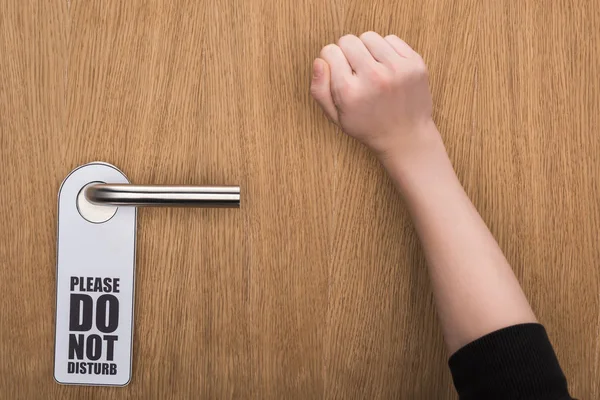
(376,89)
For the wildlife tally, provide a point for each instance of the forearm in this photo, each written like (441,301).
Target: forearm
(475,289)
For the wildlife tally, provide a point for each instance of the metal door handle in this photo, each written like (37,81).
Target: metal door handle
(163,196)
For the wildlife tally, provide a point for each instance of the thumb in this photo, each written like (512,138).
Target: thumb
(320,88)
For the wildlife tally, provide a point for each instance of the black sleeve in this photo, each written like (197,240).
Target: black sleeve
(517,362)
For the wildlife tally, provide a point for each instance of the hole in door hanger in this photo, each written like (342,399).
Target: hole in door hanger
(91,212)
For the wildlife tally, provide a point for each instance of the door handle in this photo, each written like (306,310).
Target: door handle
(163,196)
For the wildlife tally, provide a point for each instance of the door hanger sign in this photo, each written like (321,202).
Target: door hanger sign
(95,276)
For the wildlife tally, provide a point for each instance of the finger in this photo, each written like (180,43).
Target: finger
(356,53)
(339,68)
(400,46)
(320,88)
(379,48)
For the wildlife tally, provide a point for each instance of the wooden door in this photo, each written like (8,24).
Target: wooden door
(316,287)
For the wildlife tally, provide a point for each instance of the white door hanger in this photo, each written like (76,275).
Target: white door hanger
(95,269)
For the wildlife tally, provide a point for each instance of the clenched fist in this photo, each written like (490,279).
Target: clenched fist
(376,89)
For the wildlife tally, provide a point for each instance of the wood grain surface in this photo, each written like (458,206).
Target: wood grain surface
(316,287)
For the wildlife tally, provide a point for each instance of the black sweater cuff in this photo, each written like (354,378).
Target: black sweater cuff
(517,362)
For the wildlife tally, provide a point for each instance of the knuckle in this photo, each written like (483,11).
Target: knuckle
(346,40)
(380,78)
(396,69)
(420,68)
(327,49)
(367,35)
(384,85)
(375,75)
(345,94)
(346,91)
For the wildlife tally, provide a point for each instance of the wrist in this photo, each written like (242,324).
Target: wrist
(413,149)
(419,162)
(408,141)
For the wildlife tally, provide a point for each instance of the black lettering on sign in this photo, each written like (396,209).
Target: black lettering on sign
(107,301)
(89,346)
(111,285)
(110,346)
(91,368)
(81,306)
(94,284)
(93,346)
(76,346)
